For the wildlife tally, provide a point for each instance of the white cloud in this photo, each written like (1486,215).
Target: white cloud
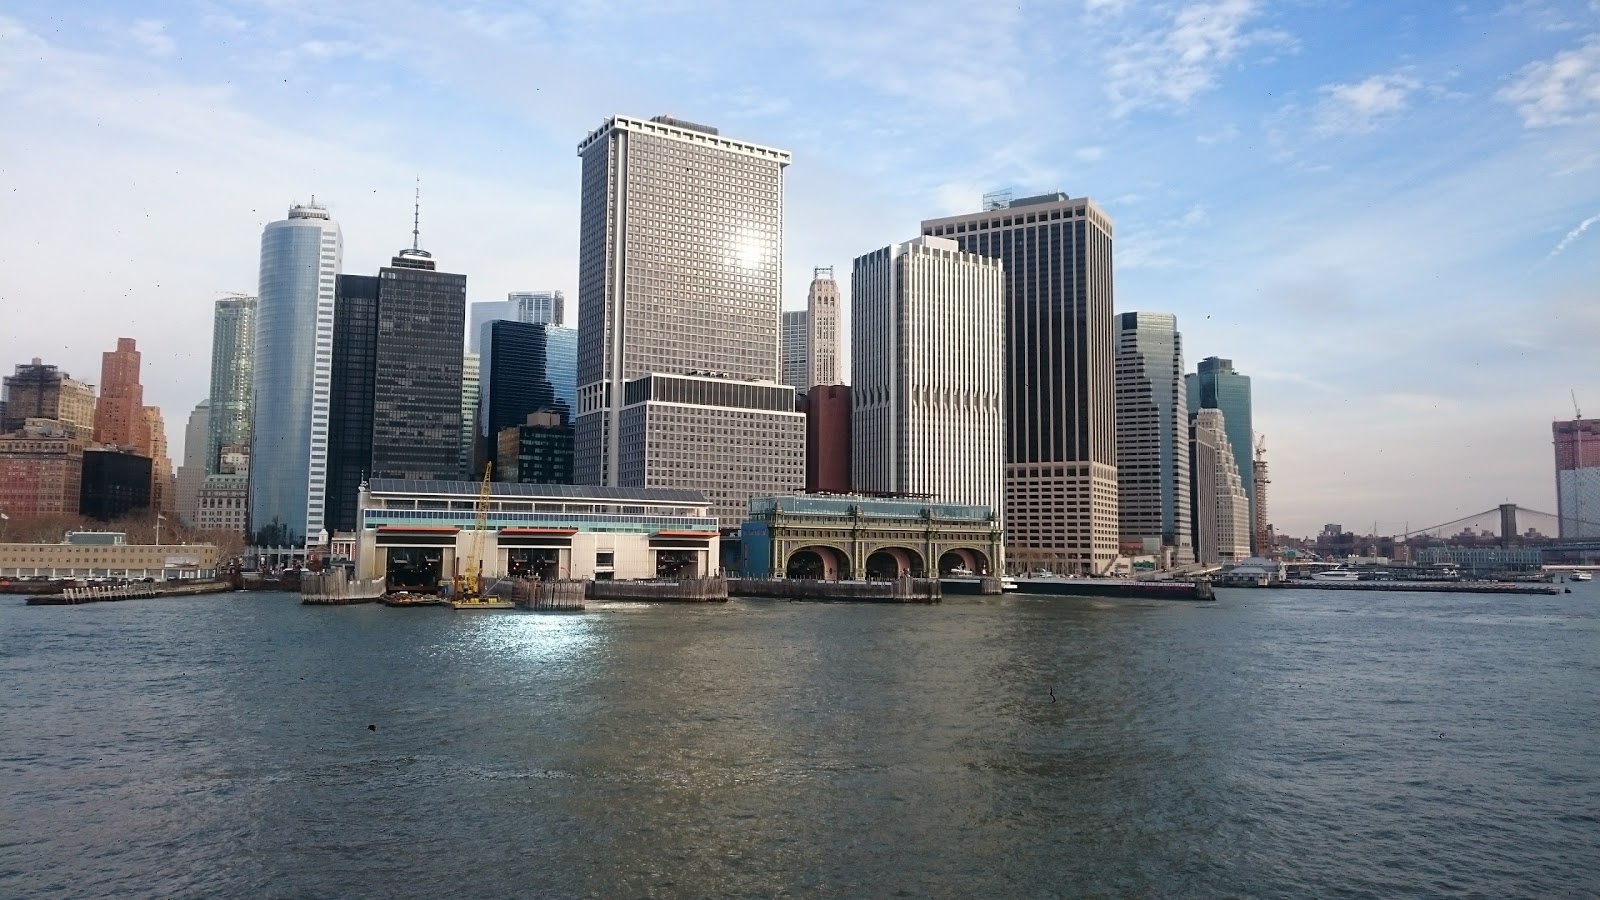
(1573,235)
(1171,66)
(1090,154)
(1356,108)
(152,36)
(1558,91)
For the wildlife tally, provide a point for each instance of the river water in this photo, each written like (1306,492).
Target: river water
(1271,744)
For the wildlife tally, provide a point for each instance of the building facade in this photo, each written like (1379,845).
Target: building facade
(538,307)
(1577,449)
(515,380)
(38,391)
(163,483)
(114,483)
(539,451)
(471,367)
(354,368)
(79,558)
(482,313)
(301,257)
(859,538)
(827,409)
(822,320)
(1153,435)
(1060,411)
(680,268)
(233,351)
(222,503)
(1215,385)
(416,389)
(727,440)
(119,415)
(41,471)
(192,473)
(928,351)
(1220,508)
(795,349)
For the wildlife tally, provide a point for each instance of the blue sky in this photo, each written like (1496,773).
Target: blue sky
(1385,213)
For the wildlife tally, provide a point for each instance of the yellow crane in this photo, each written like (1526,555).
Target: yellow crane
(469,581)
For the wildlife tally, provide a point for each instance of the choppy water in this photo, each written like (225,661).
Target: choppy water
(1273,744)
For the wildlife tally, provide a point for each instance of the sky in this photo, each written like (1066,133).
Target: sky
(1388,215)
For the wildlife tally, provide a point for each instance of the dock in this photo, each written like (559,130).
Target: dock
(73,596)
(1436,587)
(337,589)
(1116,588)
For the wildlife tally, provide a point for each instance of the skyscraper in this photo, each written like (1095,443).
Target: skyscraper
(1060,413)
(470,374)
(192,473)
(163,486)
(1577,444)
(1215,385)
(233,350)
(355,352)
(928,346)
(119,415)
(38,391)
(300,259)
(822,318)
(1153,434)
(483,312)
(680,268)
(1221,510)
(795,351)
(538,307)
(514,380)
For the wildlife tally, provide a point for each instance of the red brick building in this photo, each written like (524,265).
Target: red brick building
(119,418)
(39,475)
(827,409)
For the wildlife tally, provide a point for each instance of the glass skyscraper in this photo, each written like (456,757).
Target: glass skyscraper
(1215,385)
(1153,433)
(300,259)
(233,350)
(796,349)
(514,377)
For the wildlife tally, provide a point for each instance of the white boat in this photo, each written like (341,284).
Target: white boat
(1580,576)
(1339,574)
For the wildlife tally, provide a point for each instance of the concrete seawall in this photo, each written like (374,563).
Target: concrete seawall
(903,590)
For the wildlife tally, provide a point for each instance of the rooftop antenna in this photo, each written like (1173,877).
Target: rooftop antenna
(416,216)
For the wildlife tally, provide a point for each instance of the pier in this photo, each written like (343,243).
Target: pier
(900,590)
(338,589)
(1116,588)
(73,596)
(1436,587)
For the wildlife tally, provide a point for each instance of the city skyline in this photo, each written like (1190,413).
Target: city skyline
(1260,193)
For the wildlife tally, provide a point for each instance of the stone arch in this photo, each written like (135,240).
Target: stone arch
(969,558)
(820,562)
(894,562)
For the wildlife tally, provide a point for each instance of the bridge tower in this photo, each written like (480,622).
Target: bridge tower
(1508,524)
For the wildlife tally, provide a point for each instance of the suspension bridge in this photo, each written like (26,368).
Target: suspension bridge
(1511,522)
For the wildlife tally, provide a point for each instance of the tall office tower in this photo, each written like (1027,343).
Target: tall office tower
(1061,431)
(514,381)
(355,352)
(1153,434)
(483,312)
(561,365)
(538,307)
(163,486)
(119,415)
(468,455)
(822,341)
(1577,443)
(38,391)
(233,352)
(192,474)
(680,264)
(300,260)
(1215,385)
(1221,509)
(928,345)
(795,351)
(1262,526)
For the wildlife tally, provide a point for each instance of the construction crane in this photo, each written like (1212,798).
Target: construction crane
(469,583)
(1576,412)
(1263,533)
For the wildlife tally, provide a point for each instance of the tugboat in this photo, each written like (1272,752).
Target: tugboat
(1580,576)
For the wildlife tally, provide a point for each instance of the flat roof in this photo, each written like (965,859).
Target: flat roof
(470,489)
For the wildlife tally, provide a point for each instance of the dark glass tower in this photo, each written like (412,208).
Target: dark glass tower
(514,377)
(355,350)
(1217,386)
(416,391)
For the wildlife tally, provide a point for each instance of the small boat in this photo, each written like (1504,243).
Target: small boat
(1580,576)
(1339,574)
(406,598)
(480,603)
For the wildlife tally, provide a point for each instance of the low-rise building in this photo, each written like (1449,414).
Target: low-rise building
(40,473)
(223,503)
(108,555)
(855,538)
(419,534)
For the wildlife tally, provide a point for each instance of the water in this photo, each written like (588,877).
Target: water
(1273,744)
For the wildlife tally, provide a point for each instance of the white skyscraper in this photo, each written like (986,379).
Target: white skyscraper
(1221,509)
(470,391)
(538,307)
(796,349)
(822,319)
(928,352)
(301,257)
(680,262)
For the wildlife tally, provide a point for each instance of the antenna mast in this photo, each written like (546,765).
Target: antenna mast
(416,217)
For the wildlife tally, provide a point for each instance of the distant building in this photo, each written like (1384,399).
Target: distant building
(1060,406)
(222,503)
(538,307)
(119,415)
(856,537)
(539,451)
(827,409)
(301,257)
(38,391)
(196,440)
(822,322)
(1153,435)
(928,351)
(470,390)
(795,351)
(1221,511)
(680,265)
(515,379)
(114,483)
(1215,385)
(233,353)
(354,368)
(482,313)
(163,486)
(1577,448)
(88,555)
(40,472)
